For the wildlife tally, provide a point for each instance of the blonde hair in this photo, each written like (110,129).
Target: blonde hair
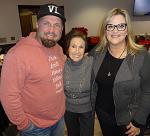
(132,47)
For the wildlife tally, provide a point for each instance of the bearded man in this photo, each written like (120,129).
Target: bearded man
(31,90)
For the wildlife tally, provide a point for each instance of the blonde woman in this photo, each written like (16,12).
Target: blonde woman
(121,76)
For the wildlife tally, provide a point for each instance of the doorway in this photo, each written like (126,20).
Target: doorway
(28,18)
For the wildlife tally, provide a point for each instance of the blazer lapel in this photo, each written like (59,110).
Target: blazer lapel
(124,73)
(98,61)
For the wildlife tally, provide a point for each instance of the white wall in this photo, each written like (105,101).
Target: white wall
(9,20)
(9,16)
(142,27)
(87,13)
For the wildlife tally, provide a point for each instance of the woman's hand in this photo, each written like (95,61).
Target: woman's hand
(132,130)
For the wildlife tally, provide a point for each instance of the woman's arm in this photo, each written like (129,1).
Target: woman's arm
(144,105)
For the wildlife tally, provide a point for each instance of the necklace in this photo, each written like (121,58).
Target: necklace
(120,54)
(109,74)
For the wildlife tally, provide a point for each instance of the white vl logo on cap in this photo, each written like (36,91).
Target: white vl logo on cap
(53,9)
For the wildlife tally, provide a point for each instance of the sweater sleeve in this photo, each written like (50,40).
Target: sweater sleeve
(12,83)
(144,106)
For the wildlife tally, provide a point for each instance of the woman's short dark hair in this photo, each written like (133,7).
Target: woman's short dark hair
(72,34)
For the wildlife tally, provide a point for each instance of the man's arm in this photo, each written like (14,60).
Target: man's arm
(12,83)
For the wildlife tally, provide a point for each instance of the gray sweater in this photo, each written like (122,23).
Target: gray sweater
(77,76)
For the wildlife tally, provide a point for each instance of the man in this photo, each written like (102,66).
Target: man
(31,89)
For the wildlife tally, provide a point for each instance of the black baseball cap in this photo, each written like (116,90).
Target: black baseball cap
(51,9)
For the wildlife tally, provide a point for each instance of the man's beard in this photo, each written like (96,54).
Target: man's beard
(48,43)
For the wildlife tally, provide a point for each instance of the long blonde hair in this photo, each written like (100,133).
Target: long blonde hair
(132,47)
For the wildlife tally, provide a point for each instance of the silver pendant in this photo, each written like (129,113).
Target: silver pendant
(109,74)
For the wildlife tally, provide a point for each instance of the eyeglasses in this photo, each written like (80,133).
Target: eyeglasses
(120,27)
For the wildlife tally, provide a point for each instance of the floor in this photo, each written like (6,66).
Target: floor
(12,130)
(97,131)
